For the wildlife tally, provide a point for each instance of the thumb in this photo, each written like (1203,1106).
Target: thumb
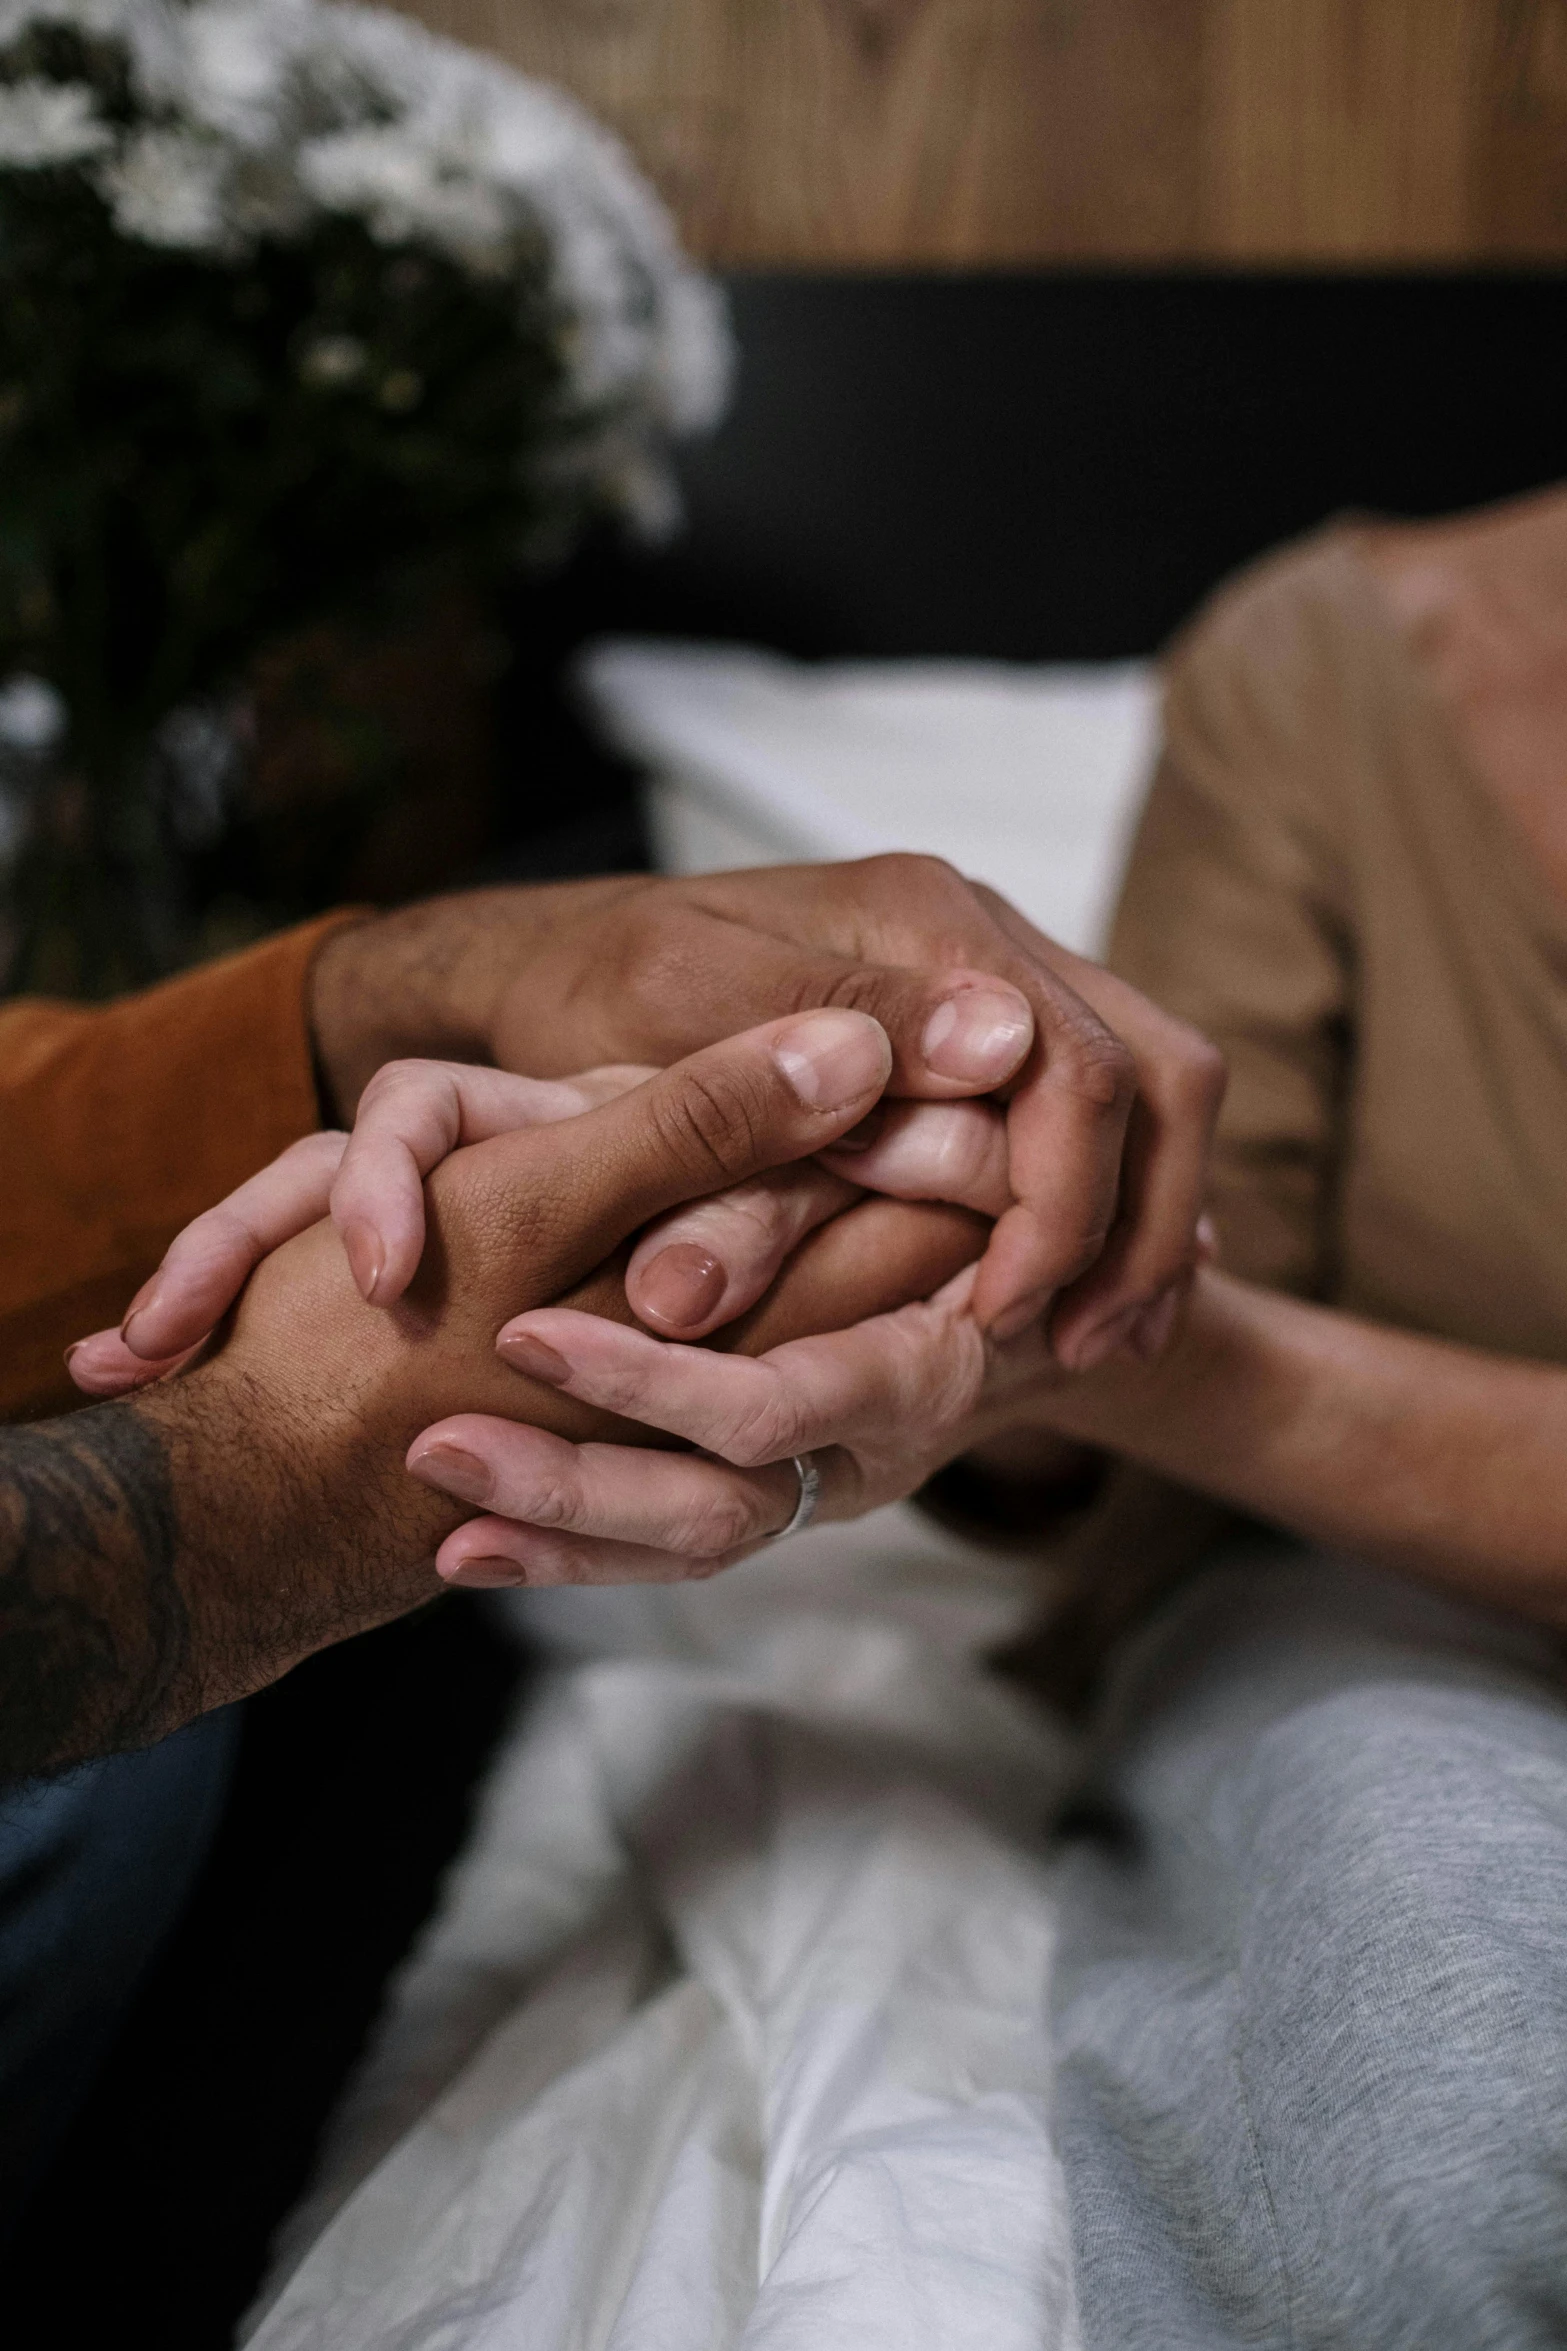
(756,1101)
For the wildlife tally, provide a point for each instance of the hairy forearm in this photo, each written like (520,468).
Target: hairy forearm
(1432,1458)
(428,979)
(163,1556)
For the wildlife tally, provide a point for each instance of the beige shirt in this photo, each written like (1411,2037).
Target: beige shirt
(1322,885)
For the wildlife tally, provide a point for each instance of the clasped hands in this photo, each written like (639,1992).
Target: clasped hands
(940,1158)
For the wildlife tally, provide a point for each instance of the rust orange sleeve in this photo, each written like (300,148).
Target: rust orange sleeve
(119,1123)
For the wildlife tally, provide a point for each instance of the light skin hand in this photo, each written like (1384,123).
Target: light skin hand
(1442,1462)
(697,1269)
(412,1114)
(881,1405)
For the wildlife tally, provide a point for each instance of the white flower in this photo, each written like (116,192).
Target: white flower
(49,122)
(402,189)
(234,68)
(695,358)
(332,360)
(257,114)
(166,187)
(32,715)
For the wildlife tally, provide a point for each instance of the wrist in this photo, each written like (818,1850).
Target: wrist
(1210,1409)
(384,986)
(439,980)
(296,1529)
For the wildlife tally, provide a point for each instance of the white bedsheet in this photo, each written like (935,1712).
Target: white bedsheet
(732,2028)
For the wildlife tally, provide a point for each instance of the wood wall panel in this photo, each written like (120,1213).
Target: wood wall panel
(1334,128)
(975,132)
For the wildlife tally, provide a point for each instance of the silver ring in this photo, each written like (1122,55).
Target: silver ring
(810,1478)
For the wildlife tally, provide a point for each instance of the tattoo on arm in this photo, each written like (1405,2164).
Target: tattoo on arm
(94,1635)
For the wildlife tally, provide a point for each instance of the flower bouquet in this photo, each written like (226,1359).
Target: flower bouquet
(294,298)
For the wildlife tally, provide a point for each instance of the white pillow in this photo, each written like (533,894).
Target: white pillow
(1027,777)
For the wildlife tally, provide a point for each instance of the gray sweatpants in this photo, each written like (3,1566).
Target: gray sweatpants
(1312,1997)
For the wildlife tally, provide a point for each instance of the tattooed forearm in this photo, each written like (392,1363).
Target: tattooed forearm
(94,1637)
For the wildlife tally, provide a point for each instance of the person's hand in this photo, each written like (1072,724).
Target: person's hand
(693,1271)
(881,1406)
(1110,1102)
(412,1115)
(293,1516)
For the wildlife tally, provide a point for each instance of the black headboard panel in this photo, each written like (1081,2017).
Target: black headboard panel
(1037,467)
(1058,466)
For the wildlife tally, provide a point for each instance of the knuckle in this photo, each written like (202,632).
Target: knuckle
(756,1435)
(1091,1062)
(714,1527)
(1199,1075)
(1184,1072)
(902,875)
(657,963)
(712,1121)
(313,1152)
(394,1077)
(547,1502)
(965,1147)
(754,1217)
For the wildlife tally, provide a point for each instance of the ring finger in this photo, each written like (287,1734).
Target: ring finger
(669,1502)
(494,1554)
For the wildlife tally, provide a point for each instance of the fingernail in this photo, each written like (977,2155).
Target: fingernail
(146,1296)
(455,1471)
(483,1575)
(980,1035)
(868,1131)
(365,1257)
(73,1351)
(1017,1318)
(1151,1331)
(680,1286)
(831,1058)
(1207,1239)
(1098,1345)
(526,1353)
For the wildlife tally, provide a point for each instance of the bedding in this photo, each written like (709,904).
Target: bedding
(733,2027)
(1027,776)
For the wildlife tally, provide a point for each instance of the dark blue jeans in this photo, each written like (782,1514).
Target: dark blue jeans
(95,1867)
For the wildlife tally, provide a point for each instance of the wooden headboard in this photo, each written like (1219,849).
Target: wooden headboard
(1006,133)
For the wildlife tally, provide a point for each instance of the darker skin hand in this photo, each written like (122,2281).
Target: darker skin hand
(158,1558)
(1110,1103)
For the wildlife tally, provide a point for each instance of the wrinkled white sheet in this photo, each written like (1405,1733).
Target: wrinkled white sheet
(732,2028)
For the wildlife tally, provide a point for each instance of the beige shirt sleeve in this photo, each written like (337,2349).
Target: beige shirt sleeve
(1235,909)
(1233,914)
